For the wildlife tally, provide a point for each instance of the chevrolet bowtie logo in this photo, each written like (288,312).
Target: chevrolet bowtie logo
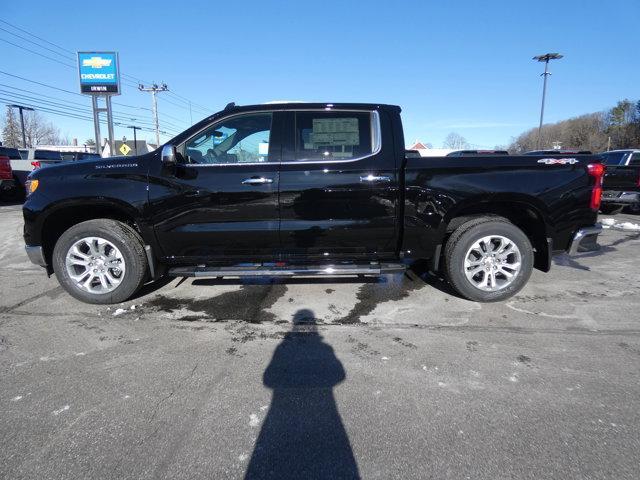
(96,62)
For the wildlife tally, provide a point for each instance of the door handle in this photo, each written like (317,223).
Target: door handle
(376,178)
(257,181)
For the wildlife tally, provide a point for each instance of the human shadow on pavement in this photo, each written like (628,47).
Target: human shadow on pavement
(302,435)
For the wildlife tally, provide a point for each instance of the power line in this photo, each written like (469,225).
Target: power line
(80,117)
(68,102)
(34,35)
(77,94)
(36,53)
(71,56)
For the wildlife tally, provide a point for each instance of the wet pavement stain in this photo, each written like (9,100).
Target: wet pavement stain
(524,359)
(404,343)
(371,294)
(248,304)
(472,346)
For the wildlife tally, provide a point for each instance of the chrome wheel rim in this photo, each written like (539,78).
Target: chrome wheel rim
(492,263)
(95,265)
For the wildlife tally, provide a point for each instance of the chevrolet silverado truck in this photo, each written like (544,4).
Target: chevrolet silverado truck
(306,189)
(621,183)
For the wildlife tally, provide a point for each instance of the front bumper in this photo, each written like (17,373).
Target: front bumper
(36,255)
(612,197)
(586,238)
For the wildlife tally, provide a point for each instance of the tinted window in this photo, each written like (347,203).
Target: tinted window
(614,158)
(47,155)
(635,159)
(241,139)
(334,135)
(12,153)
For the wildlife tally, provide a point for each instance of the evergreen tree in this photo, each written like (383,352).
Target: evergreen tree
(11,133)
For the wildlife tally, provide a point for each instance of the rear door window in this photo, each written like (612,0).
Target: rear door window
(322,136)
(635,159)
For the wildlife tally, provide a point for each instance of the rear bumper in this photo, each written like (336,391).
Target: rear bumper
(7,184)
(36,255)
(620,198)
(586,238)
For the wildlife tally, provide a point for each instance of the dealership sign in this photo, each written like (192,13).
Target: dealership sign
(99,73)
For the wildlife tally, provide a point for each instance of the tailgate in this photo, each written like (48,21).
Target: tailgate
(620,178)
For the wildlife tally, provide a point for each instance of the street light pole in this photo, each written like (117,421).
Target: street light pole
(544,58)
(135,138)
(21,108)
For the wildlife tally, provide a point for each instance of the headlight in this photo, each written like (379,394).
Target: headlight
(31,185)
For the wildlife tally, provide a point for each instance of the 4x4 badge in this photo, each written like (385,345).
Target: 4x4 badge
(558,161)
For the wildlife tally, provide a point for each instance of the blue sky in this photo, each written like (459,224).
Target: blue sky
(453,66)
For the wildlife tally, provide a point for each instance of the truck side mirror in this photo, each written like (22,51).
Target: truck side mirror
(168,155)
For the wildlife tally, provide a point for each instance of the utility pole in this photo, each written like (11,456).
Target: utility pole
(544,58)
(21,108)
(135,138)
(154,89)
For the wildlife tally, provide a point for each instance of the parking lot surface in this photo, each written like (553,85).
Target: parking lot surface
(335,378)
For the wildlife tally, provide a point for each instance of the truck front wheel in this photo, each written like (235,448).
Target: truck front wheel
(100,261)
(488,260)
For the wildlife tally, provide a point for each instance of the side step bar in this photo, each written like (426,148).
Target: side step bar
(275,270)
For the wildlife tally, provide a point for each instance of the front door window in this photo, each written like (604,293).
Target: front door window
(237,140)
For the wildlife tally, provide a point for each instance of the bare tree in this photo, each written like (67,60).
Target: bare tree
(456,141)
(39,131)
(592,131)
(11,134)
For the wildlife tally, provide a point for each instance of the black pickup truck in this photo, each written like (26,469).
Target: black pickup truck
(306,189)
(621,183)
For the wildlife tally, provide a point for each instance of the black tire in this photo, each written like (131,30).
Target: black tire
(634,209)
(610,209)
(462,239)
(125,238)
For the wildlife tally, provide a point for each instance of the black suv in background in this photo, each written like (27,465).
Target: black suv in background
(621,181)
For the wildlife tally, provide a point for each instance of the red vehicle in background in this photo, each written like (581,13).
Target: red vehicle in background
(7,183)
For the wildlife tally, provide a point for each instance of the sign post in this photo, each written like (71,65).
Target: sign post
(99,74)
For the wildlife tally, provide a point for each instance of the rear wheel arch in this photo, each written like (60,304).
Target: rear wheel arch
(525,215)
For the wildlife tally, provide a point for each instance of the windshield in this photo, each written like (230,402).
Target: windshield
(614,158)
(47,155)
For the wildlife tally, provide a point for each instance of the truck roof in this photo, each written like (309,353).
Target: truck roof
(297,105)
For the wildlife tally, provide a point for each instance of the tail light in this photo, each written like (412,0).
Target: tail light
(596,170)
(35,164)
(5,168)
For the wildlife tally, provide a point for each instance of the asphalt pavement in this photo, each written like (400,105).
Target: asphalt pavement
(391,378)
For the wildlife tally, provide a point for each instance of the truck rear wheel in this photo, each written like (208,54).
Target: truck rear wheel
(100,261)
(488,260)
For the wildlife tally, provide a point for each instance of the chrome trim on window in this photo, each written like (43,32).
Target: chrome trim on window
(376,138)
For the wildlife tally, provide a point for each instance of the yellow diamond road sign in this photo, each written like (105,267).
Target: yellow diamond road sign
(125,149)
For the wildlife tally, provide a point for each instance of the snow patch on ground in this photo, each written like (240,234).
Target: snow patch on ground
(254,420)
(626,226)
(60,410)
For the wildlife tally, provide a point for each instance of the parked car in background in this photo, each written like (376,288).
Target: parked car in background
(28,159)
(475,153)
(73,156)
(12,188)
(621,183)
(563,151)
(7,183)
